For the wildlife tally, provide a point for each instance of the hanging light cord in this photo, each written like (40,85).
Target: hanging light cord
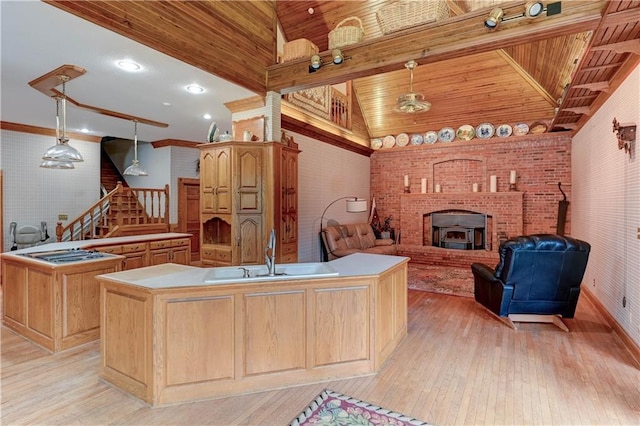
(135,141)
(64,79)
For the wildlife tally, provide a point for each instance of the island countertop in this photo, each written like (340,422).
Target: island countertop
(92,244)
(172,275)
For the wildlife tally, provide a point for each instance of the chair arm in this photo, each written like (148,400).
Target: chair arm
(384,242)
(490,291)
(482,271)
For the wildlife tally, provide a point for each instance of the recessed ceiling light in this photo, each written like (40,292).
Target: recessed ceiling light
(194,88)
(166,104)
(85,130)
(207,116)
(128,65)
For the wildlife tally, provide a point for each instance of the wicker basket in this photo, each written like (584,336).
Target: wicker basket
(300,48)
(481,4)
(347,34)
(405,14)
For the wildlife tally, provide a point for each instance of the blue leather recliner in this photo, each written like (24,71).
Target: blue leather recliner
(537,276)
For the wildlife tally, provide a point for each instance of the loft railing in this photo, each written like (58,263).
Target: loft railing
(121,208)
(326,102)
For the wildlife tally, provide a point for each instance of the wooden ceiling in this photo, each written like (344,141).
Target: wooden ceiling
(520,72)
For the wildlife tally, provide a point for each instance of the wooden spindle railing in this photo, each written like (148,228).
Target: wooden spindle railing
(119,209)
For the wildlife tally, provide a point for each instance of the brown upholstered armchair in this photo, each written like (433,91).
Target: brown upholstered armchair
(537,279)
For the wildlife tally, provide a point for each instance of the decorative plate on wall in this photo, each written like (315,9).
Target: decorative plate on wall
(538,127)
(402,139)
(376,143)
(504,131)
(212,134)
(484,131)
(466,132)
(446,134)
(430,137)
(417,139)
(388,141)
(520,129)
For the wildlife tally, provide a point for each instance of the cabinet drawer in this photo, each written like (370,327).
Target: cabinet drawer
(223,255)
(289,248)
(110,249)
(134,247)
(207,254)
(154,245)
(290,258)
(182,242)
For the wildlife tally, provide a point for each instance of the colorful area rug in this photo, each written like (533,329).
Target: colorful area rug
(440,279)
(335,409)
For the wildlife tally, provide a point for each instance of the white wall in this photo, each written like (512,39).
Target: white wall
(33,194)
(606,206)
(164,166)
(325,173)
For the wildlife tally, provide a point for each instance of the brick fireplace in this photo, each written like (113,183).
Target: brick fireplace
(504,219)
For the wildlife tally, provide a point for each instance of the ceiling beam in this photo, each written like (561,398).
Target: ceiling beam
(434,42)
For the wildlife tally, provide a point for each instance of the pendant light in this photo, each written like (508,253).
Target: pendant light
(135,169)
(53,164)
(61,151)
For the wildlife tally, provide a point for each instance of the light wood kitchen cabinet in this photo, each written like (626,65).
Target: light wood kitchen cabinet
(54,306)
(150,250)
(215,182)
(261,182)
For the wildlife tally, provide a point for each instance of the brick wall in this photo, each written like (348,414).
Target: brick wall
(540,161)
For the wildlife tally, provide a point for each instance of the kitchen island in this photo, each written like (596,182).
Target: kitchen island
(169,337)
(50,295)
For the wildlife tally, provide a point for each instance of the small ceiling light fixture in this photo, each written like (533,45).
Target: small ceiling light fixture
(135,169)
(337,56)
(128,65)
(61,151)
(316,62)
(207,116)
(494,18)
(533,9)
(194,88)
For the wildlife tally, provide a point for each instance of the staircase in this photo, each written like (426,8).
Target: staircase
(123,211)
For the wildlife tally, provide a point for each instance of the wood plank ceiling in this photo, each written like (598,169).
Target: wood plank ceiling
(522,71)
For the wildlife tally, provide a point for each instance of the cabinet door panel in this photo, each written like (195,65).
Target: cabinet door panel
(222,171)
(251,250)
(249,180)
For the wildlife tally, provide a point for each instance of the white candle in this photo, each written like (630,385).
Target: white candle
(512,177)
(423,185)
(475,187)
(437,187)
(494,184)
(406,180)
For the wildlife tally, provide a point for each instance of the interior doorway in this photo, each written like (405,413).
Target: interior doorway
(189,212)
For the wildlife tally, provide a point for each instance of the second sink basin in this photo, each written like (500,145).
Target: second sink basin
(288,271)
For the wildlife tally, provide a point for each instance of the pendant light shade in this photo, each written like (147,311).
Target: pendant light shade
(61,151)
(52,164)
(135,169)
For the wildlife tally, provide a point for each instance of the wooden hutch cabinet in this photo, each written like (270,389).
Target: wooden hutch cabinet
(247,188)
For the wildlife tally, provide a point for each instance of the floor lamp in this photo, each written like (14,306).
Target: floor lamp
(354,205)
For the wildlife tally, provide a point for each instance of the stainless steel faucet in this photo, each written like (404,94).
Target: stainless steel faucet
(270,254)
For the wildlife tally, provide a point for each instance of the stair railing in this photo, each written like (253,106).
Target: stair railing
(85,225)
(143,206)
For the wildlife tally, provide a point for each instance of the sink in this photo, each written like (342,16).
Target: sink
(287,271)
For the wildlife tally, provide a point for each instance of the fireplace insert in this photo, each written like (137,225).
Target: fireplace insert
(462,231)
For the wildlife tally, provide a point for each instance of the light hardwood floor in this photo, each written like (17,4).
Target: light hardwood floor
(458,365)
